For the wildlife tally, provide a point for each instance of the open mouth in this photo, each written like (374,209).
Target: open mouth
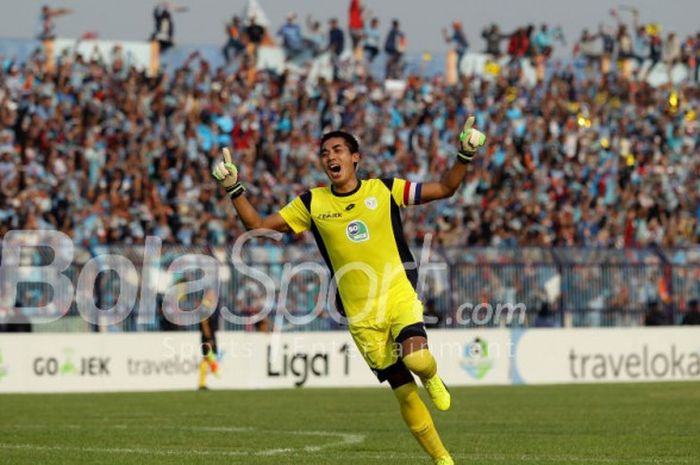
(334,168)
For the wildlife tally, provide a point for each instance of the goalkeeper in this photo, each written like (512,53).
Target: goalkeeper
(357,227)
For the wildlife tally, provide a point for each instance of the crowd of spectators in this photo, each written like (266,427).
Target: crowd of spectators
(110,155)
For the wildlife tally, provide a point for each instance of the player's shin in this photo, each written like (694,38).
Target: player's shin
(203,366)
(419,421)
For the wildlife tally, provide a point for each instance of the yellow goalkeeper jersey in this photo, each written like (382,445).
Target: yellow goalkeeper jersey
(360,237)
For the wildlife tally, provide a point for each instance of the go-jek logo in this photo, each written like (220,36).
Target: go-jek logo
(357,231)
(476,360)
(85,366)
(3,368)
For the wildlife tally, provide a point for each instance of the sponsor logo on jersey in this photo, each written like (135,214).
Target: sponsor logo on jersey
(357,231)
(329,216)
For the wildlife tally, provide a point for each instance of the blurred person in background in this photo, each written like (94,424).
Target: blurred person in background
(493,37)
(255,32)
(234,41)
(545,316)
(315,40)
(372,39)
(164,27)
(654,315)
(586,48)
(336,45)
(544,40)
(394,46)
(696,55)
(692,317)
(47,23)
(457,39)
(671,53)
(292,41)
(356,23)
(336,38)
(519,43)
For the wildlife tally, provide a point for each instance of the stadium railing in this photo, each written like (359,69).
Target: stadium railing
(460,287)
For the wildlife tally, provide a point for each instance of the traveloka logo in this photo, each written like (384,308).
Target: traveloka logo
(476,360)
(357,231)
(3,368)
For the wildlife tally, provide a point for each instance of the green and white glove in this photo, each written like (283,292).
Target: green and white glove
(226,174)
(470,140)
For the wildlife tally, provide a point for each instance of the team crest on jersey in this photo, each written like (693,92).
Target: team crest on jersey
(357,231)
(371,203)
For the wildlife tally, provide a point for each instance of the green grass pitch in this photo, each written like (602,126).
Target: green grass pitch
(599,424)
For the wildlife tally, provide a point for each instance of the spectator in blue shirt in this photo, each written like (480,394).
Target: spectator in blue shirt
(292,40)
(372,39)
(458,39)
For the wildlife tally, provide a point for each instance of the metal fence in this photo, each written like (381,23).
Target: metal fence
(460,287)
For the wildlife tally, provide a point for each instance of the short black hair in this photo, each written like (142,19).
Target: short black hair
(349,139)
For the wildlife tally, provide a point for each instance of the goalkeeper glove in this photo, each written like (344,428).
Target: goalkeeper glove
(470,140)
(226,174)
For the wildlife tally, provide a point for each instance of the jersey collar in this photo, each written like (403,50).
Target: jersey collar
(346,194)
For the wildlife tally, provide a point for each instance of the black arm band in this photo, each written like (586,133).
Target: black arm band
(236,190)
(465,157)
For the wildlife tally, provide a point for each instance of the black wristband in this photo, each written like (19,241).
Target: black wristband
(236,190)
(464,157)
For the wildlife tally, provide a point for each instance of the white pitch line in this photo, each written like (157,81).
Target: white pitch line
(124,450)
(345,439)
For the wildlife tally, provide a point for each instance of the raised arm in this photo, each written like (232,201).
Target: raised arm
(226,174)
(470,140)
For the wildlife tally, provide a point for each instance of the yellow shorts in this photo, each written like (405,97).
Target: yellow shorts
(378,338)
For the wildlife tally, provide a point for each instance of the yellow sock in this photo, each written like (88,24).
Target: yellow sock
(203,366)
(419,421)
(422,363)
